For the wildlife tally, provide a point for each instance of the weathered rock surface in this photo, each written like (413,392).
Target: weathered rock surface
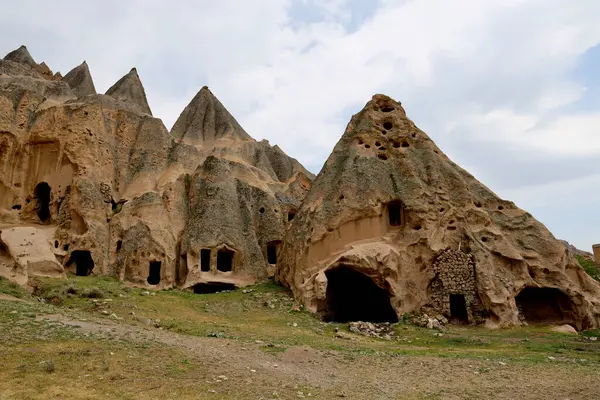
(129,89)
(124,198)
(21,56)
(27,252)
(80,80)
(392,226)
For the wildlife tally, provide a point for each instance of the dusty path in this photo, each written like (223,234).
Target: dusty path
(330,374)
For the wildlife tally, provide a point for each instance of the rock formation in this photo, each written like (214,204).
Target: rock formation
(80,80)
(392,226)
(115,194)
(129,89)
(596,249)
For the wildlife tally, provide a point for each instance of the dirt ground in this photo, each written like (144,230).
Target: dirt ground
(71,353)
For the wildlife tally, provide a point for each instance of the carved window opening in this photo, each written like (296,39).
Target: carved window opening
(225,260)
(396,213)
(205,260)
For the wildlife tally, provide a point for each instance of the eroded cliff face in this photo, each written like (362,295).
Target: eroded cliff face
(390,215)
(115,194)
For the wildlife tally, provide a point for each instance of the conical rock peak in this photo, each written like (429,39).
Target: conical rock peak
(129,89)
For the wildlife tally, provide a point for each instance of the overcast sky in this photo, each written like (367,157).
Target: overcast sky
(509,89)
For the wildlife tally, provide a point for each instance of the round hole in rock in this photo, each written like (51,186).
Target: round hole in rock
(382,157)
(396,145)
(41,195)
(484,239)
(367,146)
(383,132)
(291,215)
(545,306)
(16,207)
(451,222)
(377,144)
(387,109)
(84,263)
(405,144)
(56,244)
(441,210)
(436,152)
(360,141)
(417,227)
(451,228)
(66,247)
(261,210)
(213,287)
(119,245)
(546,271)
(388,125)
(477,204)
(414,135)
(353,296)
(500,208)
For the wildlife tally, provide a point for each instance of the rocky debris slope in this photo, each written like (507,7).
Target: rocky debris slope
(124,197)
(391,216)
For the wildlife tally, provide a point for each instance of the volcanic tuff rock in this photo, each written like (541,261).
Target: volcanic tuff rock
(119,196)
(129,89)
(390,215)
(80,80)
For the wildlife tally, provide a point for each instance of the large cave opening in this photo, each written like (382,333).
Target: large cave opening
(545,306)
(353,296)
(41,195)
(83,261)
(213,287)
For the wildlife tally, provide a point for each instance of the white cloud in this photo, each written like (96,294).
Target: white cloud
(488,79)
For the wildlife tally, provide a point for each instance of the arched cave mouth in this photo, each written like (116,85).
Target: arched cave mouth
(84,263)
(213,287)
(545,306)
(353,296)
(42,199)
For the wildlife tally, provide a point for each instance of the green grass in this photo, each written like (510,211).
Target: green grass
(589,266)
(12,289)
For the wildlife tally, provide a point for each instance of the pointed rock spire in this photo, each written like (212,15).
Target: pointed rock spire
(80,80)
(129,89)
(21,56)
(205,120)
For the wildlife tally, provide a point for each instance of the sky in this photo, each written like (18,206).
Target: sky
(508,89)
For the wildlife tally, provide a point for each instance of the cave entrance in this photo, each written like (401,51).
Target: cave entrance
(225,260)
(41,195)
(352,296)
(458,309)
(545,306)
(396,213)
(205,260)
(84,263)
(272,252)
(154,273)
(213,287)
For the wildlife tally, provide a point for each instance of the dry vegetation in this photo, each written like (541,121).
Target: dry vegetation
(93,338)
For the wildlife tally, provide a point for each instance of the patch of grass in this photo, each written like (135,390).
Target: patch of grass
(12,289)
(589,266)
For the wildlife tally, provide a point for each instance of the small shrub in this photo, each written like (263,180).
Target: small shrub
(93,293)
(48,366)
(589,266)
